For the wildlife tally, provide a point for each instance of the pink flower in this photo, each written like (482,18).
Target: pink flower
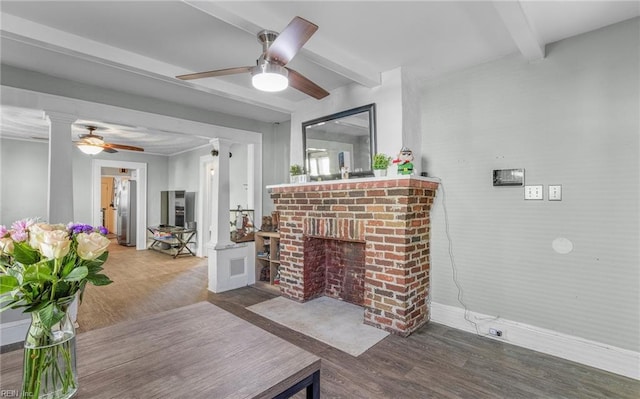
(20,229)
(3,231)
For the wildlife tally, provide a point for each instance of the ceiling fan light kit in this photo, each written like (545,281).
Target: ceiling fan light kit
(270,77)
(90,149)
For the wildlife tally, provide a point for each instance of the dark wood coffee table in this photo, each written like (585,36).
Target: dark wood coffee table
(198,351)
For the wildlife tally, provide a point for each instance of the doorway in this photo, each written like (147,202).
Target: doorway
(138,173)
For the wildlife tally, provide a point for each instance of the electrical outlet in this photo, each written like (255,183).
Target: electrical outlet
(555,192)
(533,192)
(495,332)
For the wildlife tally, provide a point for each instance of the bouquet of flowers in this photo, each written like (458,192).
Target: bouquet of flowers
(42,268)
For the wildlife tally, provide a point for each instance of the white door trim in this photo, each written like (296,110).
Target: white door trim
(140,175)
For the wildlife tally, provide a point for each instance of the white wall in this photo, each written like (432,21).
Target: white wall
(571,119)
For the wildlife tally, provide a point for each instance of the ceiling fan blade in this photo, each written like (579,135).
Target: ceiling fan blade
(290,40)
(109,150)
(121,147)
(299,82)
(217,72)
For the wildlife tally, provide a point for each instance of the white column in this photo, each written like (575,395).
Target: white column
(222,252)
(221,232)
(60,193)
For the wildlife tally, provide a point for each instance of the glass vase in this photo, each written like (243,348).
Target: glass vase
(49,369)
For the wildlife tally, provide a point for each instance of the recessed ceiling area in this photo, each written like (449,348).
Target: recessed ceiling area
(28,124)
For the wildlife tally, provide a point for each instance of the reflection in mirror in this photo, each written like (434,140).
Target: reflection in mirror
(345,139)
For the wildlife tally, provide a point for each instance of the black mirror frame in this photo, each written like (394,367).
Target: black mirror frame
(371,108)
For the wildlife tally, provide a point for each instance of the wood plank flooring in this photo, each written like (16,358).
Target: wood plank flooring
(439,362)
(434,362)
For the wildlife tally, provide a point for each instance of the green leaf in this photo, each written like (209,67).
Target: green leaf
(103,258)
(99,279)
(77,274)
(62,289)
(38,273)
(50,315)
(7,283)
(16,271)
(93,267)
(35,306)
(68,267)
(24,254)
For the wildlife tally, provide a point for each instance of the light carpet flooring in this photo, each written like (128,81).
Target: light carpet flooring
(334,322)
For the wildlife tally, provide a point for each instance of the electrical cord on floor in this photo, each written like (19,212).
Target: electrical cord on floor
(452,260)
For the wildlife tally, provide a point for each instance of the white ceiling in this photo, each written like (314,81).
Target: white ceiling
(139,47)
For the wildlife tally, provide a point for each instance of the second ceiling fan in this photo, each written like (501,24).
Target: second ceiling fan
(92,144)
(270,72)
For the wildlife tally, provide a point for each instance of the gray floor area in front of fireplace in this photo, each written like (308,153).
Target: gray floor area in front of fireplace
(334,322)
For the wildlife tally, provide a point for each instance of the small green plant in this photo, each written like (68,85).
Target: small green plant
(381,161)
(296,170)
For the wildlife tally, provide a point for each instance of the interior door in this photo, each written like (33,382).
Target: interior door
(106,204)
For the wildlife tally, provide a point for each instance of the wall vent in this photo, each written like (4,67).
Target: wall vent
(237,267)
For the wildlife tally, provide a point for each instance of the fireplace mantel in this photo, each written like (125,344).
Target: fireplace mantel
(389,181)
(390,215)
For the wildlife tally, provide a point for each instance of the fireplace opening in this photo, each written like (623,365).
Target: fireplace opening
(334,268)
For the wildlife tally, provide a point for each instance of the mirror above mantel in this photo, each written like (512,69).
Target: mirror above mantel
(346,138)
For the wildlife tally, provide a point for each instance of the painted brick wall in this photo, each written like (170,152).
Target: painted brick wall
(389,215)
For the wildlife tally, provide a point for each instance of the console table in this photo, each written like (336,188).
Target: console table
(198,351)
(177,238)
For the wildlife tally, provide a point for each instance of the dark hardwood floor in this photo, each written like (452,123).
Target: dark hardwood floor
(439,362)
(434,362)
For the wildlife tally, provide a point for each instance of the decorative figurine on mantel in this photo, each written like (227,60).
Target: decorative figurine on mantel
(404,161)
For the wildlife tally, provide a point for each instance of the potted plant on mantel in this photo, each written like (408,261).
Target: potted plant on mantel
(297,175)
(380,164)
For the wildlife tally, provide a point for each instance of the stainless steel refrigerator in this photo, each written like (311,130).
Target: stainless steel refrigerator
(177,208)
(126,208)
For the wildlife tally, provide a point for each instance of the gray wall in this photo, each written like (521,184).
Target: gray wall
(571,119)
(23,180)
(275,160)
(156,181)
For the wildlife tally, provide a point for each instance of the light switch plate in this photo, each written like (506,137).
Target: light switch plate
(555,192)
(533,192)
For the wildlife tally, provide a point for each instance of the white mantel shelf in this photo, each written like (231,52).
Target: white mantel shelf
(357,180)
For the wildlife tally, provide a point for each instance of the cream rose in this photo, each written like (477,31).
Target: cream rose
(6,246)
(54,244)
(91,246)
(35,234)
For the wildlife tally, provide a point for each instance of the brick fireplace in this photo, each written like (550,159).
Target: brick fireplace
(365,241)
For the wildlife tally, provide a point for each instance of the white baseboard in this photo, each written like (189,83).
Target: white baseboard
(13,331)
(591,353)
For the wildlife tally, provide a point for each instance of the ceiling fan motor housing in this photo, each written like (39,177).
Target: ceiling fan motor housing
(266,38)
